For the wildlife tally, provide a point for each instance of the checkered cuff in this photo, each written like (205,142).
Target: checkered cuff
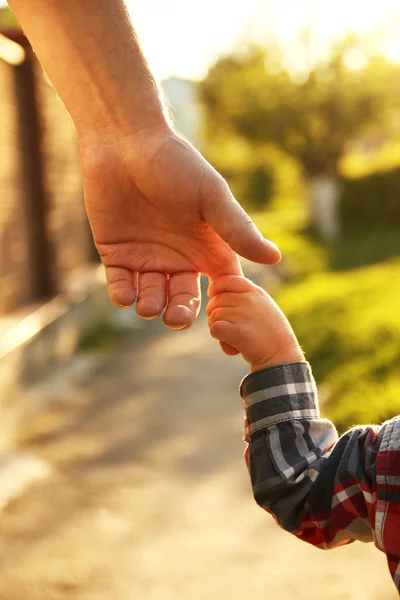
(278,394)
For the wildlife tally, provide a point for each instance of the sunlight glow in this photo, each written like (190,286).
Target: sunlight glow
(184,38)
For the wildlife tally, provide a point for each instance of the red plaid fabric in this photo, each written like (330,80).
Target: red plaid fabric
(326,491)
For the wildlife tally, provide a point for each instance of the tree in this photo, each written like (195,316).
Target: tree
(312,118)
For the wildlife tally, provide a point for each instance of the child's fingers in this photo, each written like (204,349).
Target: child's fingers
(220,314)
(229,350)
(229,283)
(220,330)
(225,332)
(228,300)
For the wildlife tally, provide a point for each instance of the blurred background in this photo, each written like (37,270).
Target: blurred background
(297,104)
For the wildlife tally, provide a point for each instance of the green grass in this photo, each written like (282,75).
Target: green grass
(344,304)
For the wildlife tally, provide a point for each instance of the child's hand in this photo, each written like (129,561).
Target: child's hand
(245,319)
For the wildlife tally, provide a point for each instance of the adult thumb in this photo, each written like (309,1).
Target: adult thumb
(233,224)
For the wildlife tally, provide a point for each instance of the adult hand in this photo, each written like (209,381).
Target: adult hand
(159,210)
(155,206)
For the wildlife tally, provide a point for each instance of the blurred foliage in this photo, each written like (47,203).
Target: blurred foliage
(372,200)
(357,163)
(354,341)
(256,175)
(252,185)
(343,305)
(251,95)
(342,298)
(260,186)
(7,18)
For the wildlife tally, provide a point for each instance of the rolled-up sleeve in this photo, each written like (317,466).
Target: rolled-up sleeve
(326,490)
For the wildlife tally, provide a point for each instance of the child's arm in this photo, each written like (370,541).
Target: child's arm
(325,491)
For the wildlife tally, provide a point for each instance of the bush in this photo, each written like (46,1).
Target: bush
(348,323)
(373,200)
(342,301)
(259,187)
(253,187)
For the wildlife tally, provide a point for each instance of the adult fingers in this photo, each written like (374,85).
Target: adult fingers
(121,286)
(184,298)
(152,295)
(233,224)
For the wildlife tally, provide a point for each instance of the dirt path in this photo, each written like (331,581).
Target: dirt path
(149,498)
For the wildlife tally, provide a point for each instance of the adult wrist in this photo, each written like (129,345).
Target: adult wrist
(110,129)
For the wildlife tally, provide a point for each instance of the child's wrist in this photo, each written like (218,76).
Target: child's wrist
(289,356)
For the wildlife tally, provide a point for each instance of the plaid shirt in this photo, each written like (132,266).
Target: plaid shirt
(326,491)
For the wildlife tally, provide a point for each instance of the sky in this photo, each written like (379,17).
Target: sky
(184,37)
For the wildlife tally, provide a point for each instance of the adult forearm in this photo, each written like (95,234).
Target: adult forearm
(91,54)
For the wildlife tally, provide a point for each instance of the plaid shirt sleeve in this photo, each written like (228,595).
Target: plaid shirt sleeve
(326,491)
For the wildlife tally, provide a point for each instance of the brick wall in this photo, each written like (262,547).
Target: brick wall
(15,285)
(69,245)
(67,225)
